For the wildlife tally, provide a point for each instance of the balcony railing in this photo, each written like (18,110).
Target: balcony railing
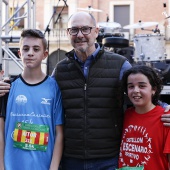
(58,35)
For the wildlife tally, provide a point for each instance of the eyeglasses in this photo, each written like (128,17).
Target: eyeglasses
(84,30)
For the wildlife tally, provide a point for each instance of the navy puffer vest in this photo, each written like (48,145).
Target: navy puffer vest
(93,107)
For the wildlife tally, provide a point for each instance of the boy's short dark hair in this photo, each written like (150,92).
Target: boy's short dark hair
(34,33)
(150,73)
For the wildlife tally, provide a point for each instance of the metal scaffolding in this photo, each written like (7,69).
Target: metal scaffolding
(6,55)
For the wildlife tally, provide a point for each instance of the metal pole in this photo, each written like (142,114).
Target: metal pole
(5,38)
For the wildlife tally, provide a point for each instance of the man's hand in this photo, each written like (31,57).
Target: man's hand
(167,108)
(165,118)
(4,88)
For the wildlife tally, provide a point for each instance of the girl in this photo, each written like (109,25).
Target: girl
(145,141)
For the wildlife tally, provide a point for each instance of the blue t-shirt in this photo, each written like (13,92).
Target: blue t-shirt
(34,106)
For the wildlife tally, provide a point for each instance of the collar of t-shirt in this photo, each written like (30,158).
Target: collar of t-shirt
(85,65)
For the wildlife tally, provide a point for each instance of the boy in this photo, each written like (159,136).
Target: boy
(34,115)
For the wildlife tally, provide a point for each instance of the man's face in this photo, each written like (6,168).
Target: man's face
(80,42)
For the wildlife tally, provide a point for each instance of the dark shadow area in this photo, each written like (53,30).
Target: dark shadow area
(53,59)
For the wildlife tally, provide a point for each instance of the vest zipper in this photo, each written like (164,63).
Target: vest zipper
(85,87)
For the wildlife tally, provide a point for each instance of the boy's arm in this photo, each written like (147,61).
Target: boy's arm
(2,143)
(58,148)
